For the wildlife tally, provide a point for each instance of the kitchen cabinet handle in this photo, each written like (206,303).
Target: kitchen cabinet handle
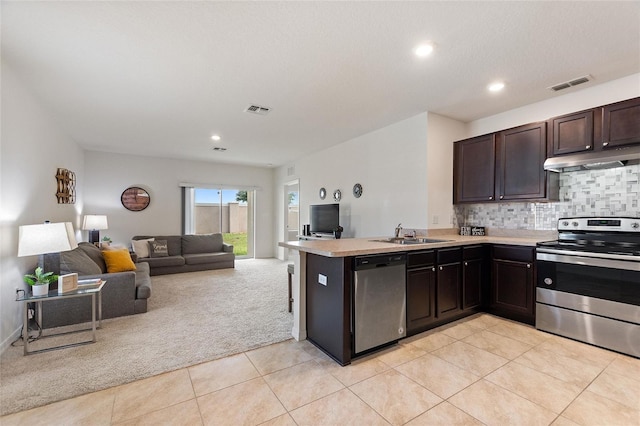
(587,147)
(466,263)
(433,269)
(528,265)
(501,197)
(605,143)
(441,268)
(491,197)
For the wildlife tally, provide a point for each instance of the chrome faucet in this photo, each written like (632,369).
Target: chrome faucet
(398,230)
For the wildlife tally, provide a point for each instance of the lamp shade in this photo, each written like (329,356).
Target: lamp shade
(94,221)
(46,238)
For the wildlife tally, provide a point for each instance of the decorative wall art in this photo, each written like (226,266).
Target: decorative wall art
(135,199)
(66,191)
(357,190)
(322,193)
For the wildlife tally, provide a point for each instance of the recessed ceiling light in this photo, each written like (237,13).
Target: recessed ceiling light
(423,50)
(496,86)
(216,138)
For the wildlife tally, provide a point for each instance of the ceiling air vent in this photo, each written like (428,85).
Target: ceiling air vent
(567,84)
(257,109)
(219,148)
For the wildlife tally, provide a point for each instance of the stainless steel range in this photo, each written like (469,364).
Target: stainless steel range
(588,282)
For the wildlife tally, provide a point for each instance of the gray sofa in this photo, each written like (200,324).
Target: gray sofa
(189,253)
(125,293)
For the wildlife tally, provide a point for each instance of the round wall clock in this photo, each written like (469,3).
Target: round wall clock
(135,199)
(357,190)
(322,193)
(337,195)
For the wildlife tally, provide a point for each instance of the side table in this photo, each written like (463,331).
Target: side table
(88,288)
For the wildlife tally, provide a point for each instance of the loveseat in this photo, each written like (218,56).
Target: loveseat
(125,293)
(171,254)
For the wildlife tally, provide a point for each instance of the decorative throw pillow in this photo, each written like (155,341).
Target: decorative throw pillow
(118,260)
(158,248)
(78,261)
(141,247)
(95,254)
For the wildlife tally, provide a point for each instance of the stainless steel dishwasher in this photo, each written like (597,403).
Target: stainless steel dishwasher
(379,300)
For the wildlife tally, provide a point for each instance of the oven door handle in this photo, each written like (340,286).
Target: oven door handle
(589,261)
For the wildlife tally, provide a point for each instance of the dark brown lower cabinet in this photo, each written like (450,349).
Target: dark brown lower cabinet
(473,276)
(448,289)
(421,290)
(448,281)
(513,283)
(440,288)
(421,298)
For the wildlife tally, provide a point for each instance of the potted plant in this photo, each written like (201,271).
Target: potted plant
(337,232)
(106,242)
(39,281)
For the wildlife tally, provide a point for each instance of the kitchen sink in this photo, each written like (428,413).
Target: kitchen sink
(409,241)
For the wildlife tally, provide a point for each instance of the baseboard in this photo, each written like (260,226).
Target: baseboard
(7,342)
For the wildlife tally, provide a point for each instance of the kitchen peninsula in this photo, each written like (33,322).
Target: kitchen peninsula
(446,280)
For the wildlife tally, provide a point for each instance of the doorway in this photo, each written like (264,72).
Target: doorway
(291,213)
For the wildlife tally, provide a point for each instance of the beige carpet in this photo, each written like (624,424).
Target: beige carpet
(192,318)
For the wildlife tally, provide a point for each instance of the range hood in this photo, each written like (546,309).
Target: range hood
(594,160)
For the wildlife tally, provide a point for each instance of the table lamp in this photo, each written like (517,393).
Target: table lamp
(46,238)
(94,223)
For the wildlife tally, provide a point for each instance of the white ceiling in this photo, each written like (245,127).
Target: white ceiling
(159,78)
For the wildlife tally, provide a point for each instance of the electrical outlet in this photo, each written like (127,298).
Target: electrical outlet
(322,279)
(436,219)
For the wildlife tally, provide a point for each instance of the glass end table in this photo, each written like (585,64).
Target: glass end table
(86,288)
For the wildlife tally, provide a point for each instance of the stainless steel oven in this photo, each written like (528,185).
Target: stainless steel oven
(588,283)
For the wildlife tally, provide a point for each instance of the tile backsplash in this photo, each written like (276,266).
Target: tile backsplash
(610,192)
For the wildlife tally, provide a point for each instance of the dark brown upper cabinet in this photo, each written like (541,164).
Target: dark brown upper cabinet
(572,132)
(610,126)
(474,170)
(520,174)
(503,166)
(621,124)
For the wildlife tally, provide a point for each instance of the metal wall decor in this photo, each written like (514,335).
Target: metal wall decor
(66,190)
(135,199)
(322,193)
(337,195)
(357,190)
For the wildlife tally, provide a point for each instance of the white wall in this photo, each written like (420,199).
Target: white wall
(389,163)
(405,170)
(583,98)
(32,149)
(107,175)
(441,133)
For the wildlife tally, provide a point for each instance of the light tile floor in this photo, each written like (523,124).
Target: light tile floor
(481,370)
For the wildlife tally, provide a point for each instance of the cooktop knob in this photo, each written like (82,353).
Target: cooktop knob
(565,223)
(575,223)
(635,225)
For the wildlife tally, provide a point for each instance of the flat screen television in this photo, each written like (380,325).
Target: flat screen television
(324,218)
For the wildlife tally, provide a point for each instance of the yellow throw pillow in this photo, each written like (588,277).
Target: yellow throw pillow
(118,260)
